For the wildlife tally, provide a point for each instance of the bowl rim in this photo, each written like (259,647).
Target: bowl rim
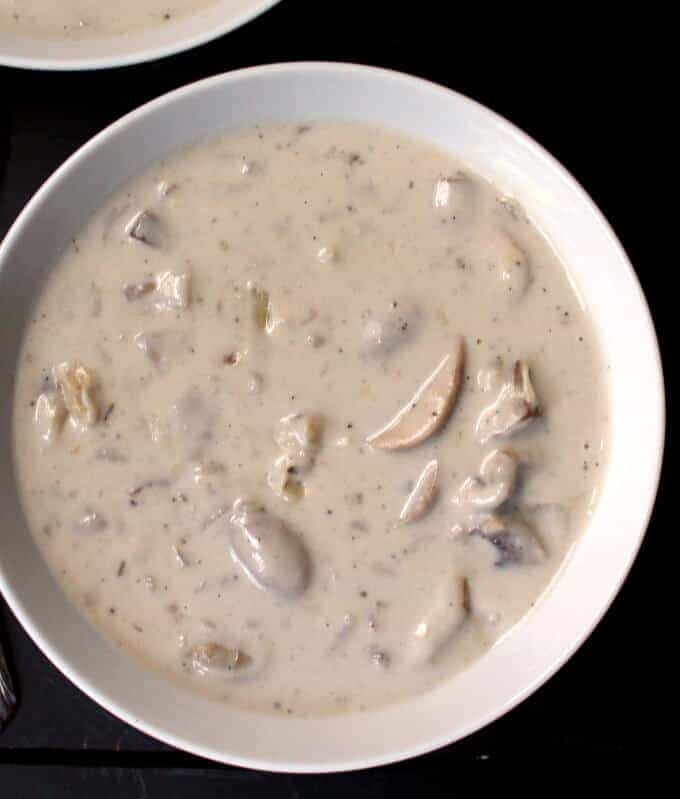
(84,683)
(139,54)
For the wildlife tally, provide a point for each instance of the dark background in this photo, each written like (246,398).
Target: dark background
(581,87)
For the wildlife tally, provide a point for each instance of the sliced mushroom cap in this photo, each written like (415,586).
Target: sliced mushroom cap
(515,542)
(49,416)
(272,557)
(428,409)
(422,497)
(494,486)
(513,409)
(443,621)
(77,384)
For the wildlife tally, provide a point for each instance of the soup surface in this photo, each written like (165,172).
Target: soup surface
(81,19)
(308,417)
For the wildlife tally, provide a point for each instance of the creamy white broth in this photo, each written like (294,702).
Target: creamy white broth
(82,19)
(322,272)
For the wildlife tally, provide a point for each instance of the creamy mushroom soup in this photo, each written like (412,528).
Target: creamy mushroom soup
(308,417)
(81,19)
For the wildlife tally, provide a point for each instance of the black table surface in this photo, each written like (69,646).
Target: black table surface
(578,86)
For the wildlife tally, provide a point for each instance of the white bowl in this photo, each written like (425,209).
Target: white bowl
(586,585)
(183,33)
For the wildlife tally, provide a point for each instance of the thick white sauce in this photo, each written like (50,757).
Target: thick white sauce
(325,270)
(83,19)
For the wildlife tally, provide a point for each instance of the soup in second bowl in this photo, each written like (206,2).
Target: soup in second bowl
(83,19)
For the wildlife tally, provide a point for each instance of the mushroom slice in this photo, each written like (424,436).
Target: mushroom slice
(212,658)
(272,557)
(515,542)
(146,228)
(494,486)
(428,409)
(77,385)
(49,416)
(423,495)
(173,291)
(442,622)
(514,408)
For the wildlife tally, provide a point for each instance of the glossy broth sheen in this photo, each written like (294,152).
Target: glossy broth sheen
(236,323)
